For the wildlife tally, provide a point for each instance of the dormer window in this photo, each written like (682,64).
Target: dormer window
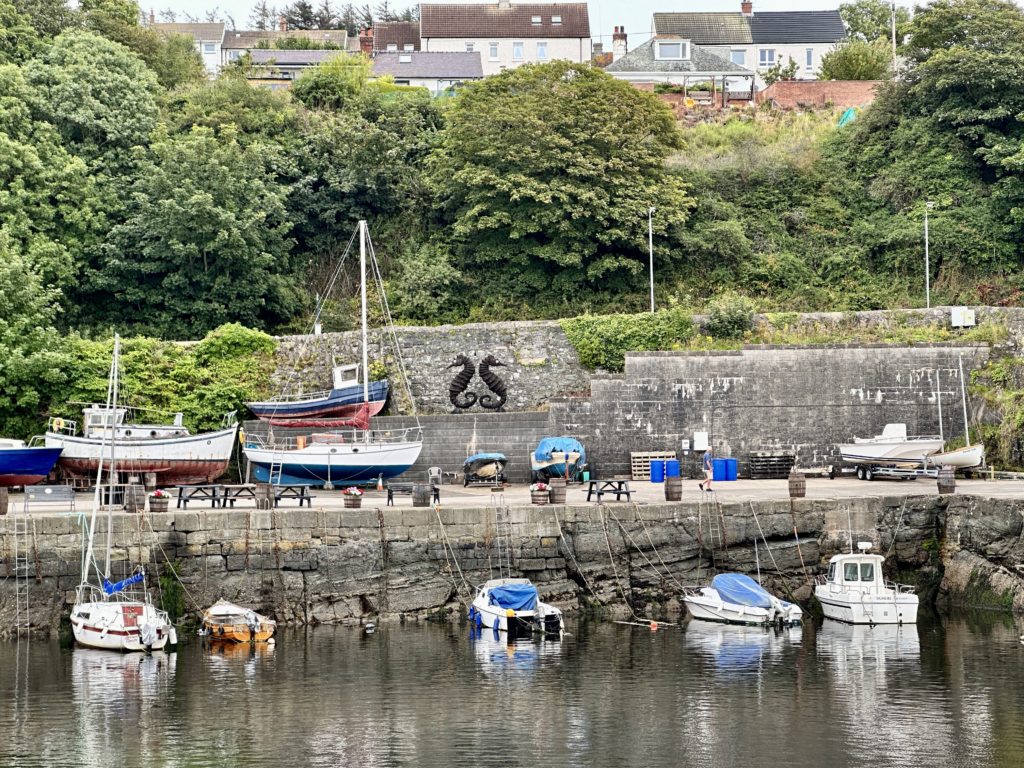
(675,50)
(535,20)
(392,47)
(404,58)
(556,19)
(408,47)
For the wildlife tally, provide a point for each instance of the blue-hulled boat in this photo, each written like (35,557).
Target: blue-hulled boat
(558,457)
(24,465)
(346,400)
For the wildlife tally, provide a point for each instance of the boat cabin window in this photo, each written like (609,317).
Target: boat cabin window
(850,572)
(867,571)
(831,571)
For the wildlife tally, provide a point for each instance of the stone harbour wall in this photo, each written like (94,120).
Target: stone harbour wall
(338,566)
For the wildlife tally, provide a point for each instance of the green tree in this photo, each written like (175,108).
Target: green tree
(545,173)
(48,17)
(206,242)
(779,71)
(857,60)
(18,38)
(335,83)
(870,20)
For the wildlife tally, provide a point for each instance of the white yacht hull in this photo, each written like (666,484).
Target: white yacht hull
(962,458)
(903,453)
(708,605)
(121,626)
(866,608)
(318,463)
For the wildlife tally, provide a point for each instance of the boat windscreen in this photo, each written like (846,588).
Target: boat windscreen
(518,597)
(741,590)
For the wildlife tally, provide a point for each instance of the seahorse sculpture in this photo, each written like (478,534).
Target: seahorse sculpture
(493,382)
(460,383)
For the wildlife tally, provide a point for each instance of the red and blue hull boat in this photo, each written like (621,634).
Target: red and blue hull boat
(21,465)
(321,410)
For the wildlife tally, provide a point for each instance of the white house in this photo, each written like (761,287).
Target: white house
(507,35)
(208,38)
(757,41)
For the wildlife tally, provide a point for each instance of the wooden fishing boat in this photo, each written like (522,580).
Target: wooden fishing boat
(229,623)
(345,400)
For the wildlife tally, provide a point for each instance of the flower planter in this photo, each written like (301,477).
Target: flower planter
(539,497)
(158,505)
(353,502)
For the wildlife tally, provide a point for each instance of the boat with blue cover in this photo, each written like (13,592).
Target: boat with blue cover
(513,606)
(25,465)
(735,598)
(558,457)
(484,468)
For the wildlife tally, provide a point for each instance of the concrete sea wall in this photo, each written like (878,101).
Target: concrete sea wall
(333,565)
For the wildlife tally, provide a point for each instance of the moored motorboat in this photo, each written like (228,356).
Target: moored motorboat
(25,465)
(855,591)
(892,448)
(229,623)
(512,605)
(734,598)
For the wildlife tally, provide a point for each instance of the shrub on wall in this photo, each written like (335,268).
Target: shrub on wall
(730,316)
(602,341)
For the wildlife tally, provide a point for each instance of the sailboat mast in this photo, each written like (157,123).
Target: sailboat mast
(114,384)
(362,284)
(963,397)
(87,558)
(938,399)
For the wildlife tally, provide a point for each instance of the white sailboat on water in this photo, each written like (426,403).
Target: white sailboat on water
(353,456)
(114,616)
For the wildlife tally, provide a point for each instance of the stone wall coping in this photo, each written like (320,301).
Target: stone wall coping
(432,329)
(846,345)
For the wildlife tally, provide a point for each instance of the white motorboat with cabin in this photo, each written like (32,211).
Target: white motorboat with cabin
(892,448)
(114,616)
(855,591)
(735,598)
(513,606)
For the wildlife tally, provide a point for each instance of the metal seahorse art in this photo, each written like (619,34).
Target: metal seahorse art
(493,382)
(460,383)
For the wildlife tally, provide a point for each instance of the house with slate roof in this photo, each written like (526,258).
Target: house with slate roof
(437,71)
(757,41)
(395,36)
(507,35)
(207,39)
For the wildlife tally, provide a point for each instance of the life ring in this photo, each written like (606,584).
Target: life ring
(58,424)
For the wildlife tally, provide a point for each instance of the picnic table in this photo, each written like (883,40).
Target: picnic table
(210,492)
(300,492)
(233,493)
(393,488)
(618,486)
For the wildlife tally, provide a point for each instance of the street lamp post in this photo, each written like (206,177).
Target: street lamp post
(650,248)
(927,269)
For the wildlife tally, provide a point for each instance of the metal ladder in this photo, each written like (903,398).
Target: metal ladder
(22,604)
(716,539)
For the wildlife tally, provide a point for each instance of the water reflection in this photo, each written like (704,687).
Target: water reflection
(737,650)
(509,659)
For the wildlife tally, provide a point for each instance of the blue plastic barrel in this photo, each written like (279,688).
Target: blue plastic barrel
(658,471)
(672,468)
(718,470)
(731,469)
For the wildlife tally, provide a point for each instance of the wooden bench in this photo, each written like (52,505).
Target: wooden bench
(300,492)
(210,492)
(393,488)
(616,485)
(37,495)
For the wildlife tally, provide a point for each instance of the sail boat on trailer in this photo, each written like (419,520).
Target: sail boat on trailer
(331,457)
(114,616)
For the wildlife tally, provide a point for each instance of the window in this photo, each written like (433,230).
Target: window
(469,47)
(556,19)
(850,572)
(766,57)
(738,57)
(517,51)
(867,572)
(408,47)
(492,51)
(209,47)
(392,47)
(535,20)
(809,65)
(831,572)
(675,51)
(404,58)
(234,55)
(542,51)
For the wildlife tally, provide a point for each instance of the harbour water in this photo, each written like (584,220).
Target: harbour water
(945,693)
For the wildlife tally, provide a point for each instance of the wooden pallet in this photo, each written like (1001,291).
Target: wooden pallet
(770,465)
(640,463)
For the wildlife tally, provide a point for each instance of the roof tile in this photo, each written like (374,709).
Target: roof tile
(488,20)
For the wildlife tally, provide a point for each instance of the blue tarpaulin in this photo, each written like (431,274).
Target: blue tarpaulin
(118,586)
(518,597)
(741,590)
(485,457)
(563,444)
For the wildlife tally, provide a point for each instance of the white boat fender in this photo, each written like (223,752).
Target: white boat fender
(172,638)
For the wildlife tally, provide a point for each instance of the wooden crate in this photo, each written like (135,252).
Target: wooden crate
(770,465)
(640,463)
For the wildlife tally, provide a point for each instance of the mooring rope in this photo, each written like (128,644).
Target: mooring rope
(636,508)
(632,541)
(171,567)
(799,550)
(575,562)
(615,571)
(446,547)
(898,523)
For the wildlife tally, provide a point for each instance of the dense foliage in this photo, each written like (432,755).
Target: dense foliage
(858,60)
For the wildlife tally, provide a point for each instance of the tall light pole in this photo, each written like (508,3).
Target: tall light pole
(927,269)
(650,248)
(893,35)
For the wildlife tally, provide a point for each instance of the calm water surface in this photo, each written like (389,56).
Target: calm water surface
(949,692)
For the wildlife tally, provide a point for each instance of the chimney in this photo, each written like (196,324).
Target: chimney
(282,23)
(152,17)
(618,43)
(747,7)
(366,41)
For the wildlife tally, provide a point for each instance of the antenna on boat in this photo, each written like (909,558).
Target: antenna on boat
(963,397)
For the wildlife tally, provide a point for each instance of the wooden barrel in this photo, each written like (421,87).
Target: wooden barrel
(556,493)
(797,485)
(947,480)
(134,497)
(540,497)
(353,502)
(421,495)
(264,496)
(673,488)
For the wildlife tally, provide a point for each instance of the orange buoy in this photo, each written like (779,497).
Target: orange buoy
(654,626)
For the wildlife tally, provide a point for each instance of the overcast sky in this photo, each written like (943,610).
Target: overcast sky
(635,15)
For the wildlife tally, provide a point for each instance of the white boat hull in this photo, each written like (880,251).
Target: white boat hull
(545,618)
(707,605)
(121,626)
(186,459)
(905,453)
(318,463)
(853,607)
(963,458)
